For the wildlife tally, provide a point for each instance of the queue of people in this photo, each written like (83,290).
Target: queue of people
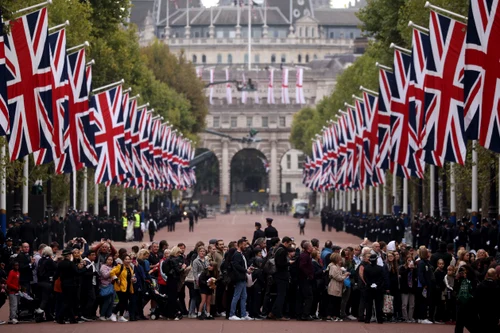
(267,278)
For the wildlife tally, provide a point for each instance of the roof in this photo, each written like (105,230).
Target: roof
(331,16)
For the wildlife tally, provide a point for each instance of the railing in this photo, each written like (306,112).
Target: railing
(345,42)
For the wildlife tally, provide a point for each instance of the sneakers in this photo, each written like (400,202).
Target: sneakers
(247,317)
(13,321)
(87,319)
(122,320)
(209,317)
(425,321)
(113,317)
(222,314)
(102,318)
(2,322)
(39,311)
(351,317)
(192,316)
(235,318)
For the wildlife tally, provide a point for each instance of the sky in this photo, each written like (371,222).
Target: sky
(336,3)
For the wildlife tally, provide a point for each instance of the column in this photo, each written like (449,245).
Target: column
(73,197)
(363,201)
(107,201)
(432,189)
(377,200)
(358,201)
(370,200)
(348,202)
(143,199)
(224,179)
(334,200)
(85,190)
(96,199)
(474,204)
(384,200)
(405,196)
(147,199)
(453,195)
(124,200)
(320,201)
(274,191)
(25,185)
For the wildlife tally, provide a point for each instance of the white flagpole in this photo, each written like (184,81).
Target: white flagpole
(109,86)
(370,200)
(96,199)
(474,207)
(432,188)
(40,5)
(250,35)
(25,184)
(73,175)
(377,200)
(405,196)
(363,201)
(107,200)
(384,200)
(85,189)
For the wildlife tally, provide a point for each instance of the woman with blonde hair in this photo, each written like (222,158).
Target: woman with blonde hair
(463,258)
(335,286)
(173,267)
(207,286)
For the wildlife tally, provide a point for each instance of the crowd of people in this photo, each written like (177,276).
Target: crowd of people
(382,279)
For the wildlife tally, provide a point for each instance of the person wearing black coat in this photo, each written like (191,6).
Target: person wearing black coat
(45,274)
(27,232)
(442,253)
(258,233)
(173,266)
(426,286)
(26,267)
(375,286)
(487,295)
(270,232)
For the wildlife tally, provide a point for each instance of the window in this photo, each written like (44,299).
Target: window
(216,122)
(288,187)
(197,34)
(273,58)
(300,161)
(300,32)
(256,59)
(283,58)
(246,58)
(265,122)
(307,32)
(352,35)
(234,122)
(249,121)
(219,34)
(282,122)
(315,57)
(288,161)
(307,57)
(299,58)
(312,32)
(194,59)
(229,59)
(204,59)
(332,35)
(219,58)
(232,34)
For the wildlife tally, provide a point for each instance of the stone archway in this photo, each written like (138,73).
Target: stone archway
(207,188)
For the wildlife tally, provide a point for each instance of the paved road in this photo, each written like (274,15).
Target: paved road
(231,227)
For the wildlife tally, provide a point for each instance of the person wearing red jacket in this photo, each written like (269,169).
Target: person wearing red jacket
(13,288)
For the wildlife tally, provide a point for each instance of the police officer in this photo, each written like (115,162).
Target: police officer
(124,225)
(137,226)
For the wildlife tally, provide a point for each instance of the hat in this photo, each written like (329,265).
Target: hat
(8,239)
(257,224)
(269,220)
(134,211)
(373,257)
(66,252)
(391,246)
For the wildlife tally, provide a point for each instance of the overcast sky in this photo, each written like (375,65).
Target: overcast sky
(336,3)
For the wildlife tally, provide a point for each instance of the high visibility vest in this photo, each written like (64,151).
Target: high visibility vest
(124,222)
(137,223)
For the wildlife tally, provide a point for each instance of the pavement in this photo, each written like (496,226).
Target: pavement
(231,227)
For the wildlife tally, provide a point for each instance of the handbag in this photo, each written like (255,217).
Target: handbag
(388,304)
(106,290)
(190,275)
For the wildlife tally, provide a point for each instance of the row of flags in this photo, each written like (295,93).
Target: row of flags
(47,109)
(435,97)
(285,97)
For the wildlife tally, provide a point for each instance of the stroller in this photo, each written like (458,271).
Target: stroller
(26,309)
(152,291)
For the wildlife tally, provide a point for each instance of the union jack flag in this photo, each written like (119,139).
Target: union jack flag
(341,174)
(482,74)
(107,118)
(404,134)
(4,110)
(60,96)
(444,88)
(375,174)
(137,116)
(78,135)
(362,164)
(29,84)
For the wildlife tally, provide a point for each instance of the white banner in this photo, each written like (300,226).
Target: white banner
(299,89)
(285,99)
(211,86)
(243,92)
(229,95)
(270,87)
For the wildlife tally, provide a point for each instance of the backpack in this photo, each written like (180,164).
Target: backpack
(465,292)
(152,225)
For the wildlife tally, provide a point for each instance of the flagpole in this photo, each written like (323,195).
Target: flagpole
(40,5)
(377,200)
(405,196)
(60,26)
(25,185)
(147,199)
(384,200)
(474,207)
(370,200)
(3,194)
(394,188)
(432,189)
(74,48)
(109,86)
(85,190)
(363,201)
(142,200)
(96,199)
(453,195)
(358,201)
(73,186)
(442,10)
(124,200)
(107,200)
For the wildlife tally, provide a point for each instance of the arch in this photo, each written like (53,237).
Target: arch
(229,58)
(194,58)
(299,58)
(248,177)
(283,58)
(207,188)
(273,58)
(203,59)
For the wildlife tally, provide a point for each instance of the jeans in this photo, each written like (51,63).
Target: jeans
(240,294)
(13,304)
(408,305)
(106,308)
(343,305)
(281,289)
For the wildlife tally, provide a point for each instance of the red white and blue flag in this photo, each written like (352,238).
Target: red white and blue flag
(4,109)
(482,74)
(444,138)
(29,84)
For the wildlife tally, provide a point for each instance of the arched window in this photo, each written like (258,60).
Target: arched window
(307,57)
(283,58)
(204,59)
(273,58)
(219,58)
(194,59)
(299,58)
(229,58)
